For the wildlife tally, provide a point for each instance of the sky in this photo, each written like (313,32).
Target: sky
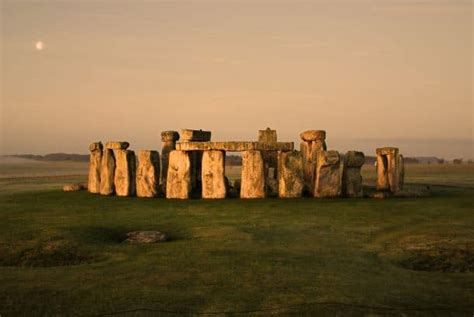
(370,73)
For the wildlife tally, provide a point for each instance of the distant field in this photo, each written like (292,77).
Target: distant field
(62,253)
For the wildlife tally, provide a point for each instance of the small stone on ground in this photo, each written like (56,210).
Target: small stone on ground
(146,237)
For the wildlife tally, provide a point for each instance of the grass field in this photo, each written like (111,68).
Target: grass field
(62,253)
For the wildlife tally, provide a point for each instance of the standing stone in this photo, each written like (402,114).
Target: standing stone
(388,172)
(312,142)
(213,175)
(95,159)
(351,174)
(328,180)
(290,174)
(107,172)
(270,161)
(189,135)
(148,173)
(253,175)
(168,144)
(124,179)
(178,184)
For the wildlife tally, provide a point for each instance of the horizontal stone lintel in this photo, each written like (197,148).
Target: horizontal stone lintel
(234,146)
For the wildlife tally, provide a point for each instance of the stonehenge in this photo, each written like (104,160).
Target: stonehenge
(178,181)
(148,173)
(107,172)
(168,144)
(213,176)
(124,176)
(93,184)
(327,181)
(252,183)
(312,142)
(351,174)
(390,169)
(193,166)
(290,174)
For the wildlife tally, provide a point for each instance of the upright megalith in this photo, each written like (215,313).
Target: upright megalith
(290,174)
(328,180)
(351,174)
(124,178)
(178,180)
(388,169)
(312,142)
(93,184)
(107,172)
(117,145)
(213,175)
(253,175)
(270,161)
(189,135)
(148,173)
(168,144)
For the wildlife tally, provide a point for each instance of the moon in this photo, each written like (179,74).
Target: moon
(39,45)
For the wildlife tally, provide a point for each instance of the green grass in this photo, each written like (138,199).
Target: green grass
(272,256)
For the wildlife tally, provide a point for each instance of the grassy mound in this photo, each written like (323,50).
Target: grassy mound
(433,253)
(55,251)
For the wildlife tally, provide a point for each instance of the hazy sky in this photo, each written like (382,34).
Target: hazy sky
(379,70)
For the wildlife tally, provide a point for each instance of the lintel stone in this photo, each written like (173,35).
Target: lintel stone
(234,146)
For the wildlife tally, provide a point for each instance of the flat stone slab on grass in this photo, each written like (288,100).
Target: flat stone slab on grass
(136,237)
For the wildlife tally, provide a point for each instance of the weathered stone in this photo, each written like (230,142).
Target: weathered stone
(124,179)
(146,237)
(169,136)
(96,146)
(107,172)
(388,172)
(116,145)
(148,174)
(188,135)
(253,176)
(179,175)
(213,179)
(313,135)
(168,144)
(95,159)
(234,146)
(309,151)
(388,150)
(74,187)
(270,161)
(290,174)
(351,174)
(328,180)
(267,136)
